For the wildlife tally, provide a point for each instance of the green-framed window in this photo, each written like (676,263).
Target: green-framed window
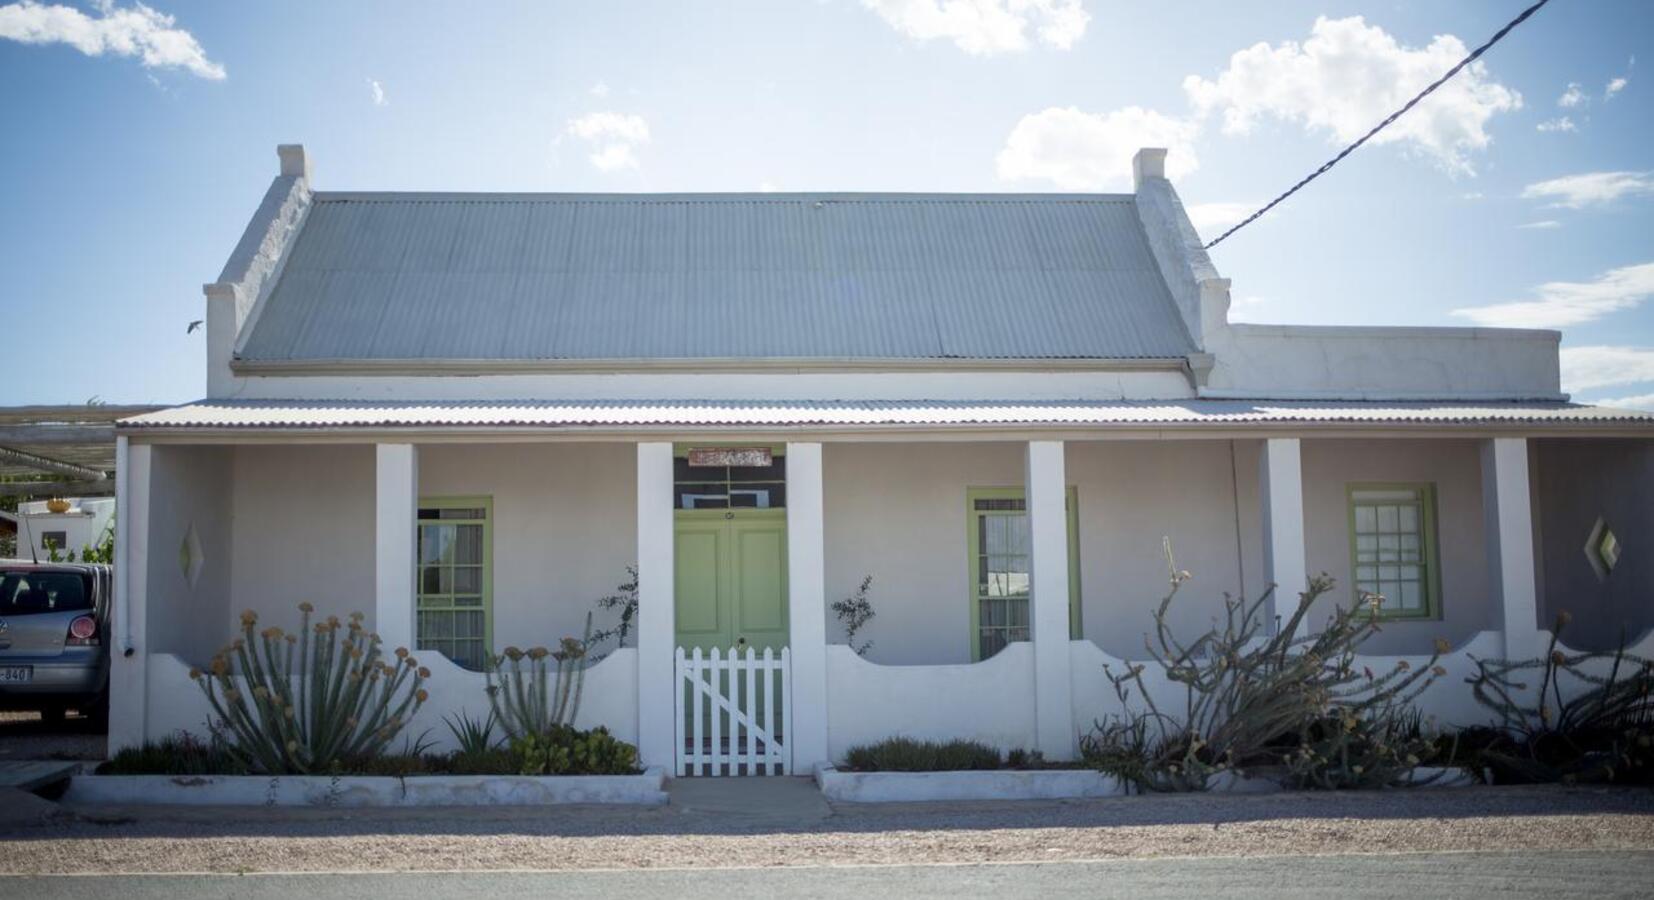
(1393,551)
(455,578)
(999,556)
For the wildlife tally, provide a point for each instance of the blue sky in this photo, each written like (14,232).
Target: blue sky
(136,141)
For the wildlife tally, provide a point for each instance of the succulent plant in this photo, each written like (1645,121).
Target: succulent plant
(303,703)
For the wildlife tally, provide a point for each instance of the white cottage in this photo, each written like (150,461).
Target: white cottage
(465,415)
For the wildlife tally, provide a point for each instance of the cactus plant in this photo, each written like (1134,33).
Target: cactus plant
(305,703)
(532,699)
(1594,728)
(1253,699)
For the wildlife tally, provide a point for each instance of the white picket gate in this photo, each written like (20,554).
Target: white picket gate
(734,712)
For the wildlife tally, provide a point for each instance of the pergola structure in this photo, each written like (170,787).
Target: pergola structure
(60,450)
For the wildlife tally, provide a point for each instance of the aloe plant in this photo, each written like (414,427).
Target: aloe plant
(536,697)
(307,702)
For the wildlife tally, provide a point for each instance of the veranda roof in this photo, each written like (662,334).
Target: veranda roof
(278,415)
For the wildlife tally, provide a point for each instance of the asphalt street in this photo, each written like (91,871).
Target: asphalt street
(1436,876)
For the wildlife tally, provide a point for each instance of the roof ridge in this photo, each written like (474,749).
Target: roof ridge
(710,197)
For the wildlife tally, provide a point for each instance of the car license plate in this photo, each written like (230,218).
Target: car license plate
(16,674)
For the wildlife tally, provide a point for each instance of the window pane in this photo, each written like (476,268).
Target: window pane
(468,579)
(468,544)
(1385,494)
(1410,519)
(706,495)
(1366,520)
(1389,519)
(430,580)
(1016,534)
(436,543)
(1007,576)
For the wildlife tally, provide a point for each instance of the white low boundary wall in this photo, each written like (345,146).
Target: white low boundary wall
(993,701)
(608,697)
(366,791)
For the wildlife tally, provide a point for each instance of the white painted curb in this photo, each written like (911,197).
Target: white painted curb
(355,791)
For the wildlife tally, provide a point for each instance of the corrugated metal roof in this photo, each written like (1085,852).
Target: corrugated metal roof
(711,276)
(692,413)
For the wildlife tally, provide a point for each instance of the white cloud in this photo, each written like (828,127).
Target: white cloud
(987,27)
(1472,195)
(1541,224)
(1573,96)
(1590,188)
(1640,401)
(613,138)
(1092,151)
(1212,218)
(378,91)
(1586,368)
(1560,124)
(600,90)
(1347,77)
(139,31)
(1563,303)
(1619,83)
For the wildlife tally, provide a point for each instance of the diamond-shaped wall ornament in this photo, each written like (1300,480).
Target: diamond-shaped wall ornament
(190,556)
(1602,548)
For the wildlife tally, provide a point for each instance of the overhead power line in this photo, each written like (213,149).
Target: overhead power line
(1474,55)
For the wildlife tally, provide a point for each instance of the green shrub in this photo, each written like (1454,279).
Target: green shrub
(565,750)
(181,754)
(314,699)
(900,754)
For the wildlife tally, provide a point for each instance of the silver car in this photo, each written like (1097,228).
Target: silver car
(54,638)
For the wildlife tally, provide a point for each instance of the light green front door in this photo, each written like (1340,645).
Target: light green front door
(731,590)
(731,580)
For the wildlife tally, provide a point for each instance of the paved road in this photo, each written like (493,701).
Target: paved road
(1597,875)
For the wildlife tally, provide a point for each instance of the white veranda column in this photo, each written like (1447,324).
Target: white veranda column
(128,669)
(395,539)
(657,607)
(806,605)
(1508,521)
(1281,492)
(1047,497)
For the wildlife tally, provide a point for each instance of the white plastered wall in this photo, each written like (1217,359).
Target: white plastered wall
(191,488)
(565,528)
(897,512)
(1454,467)
(304,523)
(1133,496)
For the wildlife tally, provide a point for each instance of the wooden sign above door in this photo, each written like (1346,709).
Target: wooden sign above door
(731,456)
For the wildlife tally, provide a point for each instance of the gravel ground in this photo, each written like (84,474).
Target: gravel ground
(570,838)
(24,736)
